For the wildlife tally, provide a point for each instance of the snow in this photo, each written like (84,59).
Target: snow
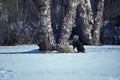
(98,63)
(105,22)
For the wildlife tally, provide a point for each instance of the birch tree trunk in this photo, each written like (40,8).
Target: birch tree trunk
(98,18)
(85,21)
(44,31)
(67,23)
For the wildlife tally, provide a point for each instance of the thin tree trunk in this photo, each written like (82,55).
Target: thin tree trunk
(97,22)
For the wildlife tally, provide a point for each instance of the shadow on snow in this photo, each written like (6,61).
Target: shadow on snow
(35,51)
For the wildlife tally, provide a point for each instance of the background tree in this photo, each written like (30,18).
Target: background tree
(111,22)
(98,8)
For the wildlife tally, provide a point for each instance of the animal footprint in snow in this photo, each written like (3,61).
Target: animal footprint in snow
(6,74)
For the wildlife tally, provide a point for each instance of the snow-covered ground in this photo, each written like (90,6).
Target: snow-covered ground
(26,63)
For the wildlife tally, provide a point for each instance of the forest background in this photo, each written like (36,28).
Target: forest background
(55,22)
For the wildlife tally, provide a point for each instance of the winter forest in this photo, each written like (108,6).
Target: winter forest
(59,39)
(52,23)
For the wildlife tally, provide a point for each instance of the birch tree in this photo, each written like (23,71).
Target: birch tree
(98,18)
(45,38)
(67,23)
(85,21)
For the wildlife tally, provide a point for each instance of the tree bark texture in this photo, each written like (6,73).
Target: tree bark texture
(85,21)
(67,22)
(44,31)
(98,19)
